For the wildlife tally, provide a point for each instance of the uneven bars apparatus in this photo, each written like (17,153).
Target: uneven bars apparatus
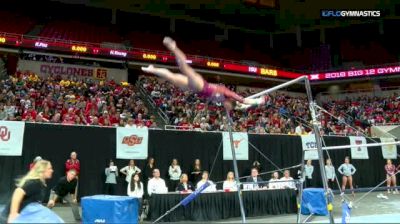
(316,132)
(235,167)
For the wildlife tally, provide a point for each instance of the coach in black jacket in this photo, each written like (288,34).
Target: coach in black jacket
(184,184)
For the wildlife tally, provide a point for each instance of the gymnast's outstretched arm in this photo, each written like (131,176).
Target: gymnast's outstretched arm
(16,200)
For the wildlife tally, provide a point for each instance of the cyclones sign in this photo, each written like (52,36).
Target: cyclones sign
(45,69)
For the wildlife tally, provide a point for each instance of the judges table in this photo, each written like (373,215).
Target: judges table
(222,205)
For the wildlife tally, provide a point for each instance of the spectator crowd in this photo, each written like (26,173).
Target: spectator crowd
(282,114)
(70,101)
(28,97)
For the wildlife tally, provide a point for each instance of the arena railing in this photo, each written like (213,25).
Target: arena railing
(82,125)
(386,124)
(151,102)
(186,128)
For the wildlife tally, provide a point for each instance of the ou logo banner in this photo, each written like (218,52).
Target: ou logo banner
(11,138)
(5,134)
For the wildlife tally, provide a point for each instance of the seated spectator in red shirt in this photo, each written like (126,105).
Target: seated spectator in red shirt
(92,105)
(70,117)
(73,163)
(29,112)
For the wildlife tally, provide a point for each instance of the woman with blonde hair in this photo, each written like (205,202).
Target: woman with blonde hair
(185,185)
(230,183)
(30,189)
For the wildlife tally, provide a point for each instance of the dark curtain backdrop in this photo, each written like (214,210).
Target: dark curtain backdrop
(95,146)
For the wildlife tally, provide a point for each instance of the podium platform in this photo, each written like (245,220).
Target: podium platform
(314,202)
(109,209)
(37,213)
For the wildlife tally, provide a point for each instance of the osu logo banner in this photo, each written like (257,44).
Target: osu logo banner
(358,152)
(11,138)
(132,143)
(309,142)
(240,144)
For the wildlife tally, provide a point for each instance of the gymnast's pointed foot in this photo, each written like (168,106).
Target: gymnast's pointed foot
(169,43)
(149,69)
(241,106)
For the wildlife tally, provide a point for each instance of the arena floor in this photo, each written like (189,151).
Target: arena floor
(370,210)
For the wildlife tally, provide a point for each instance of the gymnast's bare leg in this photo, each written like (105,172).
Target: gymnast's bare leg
(176,79)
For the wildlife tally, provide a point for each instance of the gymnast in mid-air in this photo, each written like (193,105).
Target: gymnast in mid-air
(191,80)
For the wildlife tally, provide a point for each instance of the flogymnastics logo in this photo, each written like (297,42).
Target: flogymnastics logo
(351,13)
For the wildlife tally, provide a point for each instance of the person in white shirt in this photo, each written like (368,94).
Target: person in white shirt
(136,190)
(204,180)
(135,187)
(111,178)
(289,184)
(274,178)
(131,123)
(299,129)
(174,172)
(308,172)
(230,183)
(130,170)
(330,173)
(156,184)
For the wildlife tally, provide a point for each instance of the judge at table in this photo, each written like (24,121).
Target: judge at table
(204,180)
(156,184)
(253,182)
(185,185)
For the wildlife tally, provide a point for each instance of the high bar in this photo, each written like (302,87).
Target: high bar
(353,146)
(301,78)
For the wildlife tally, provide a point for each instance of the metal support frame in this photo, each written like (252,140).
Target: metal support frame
(317,138)
(319,147)
(235,168)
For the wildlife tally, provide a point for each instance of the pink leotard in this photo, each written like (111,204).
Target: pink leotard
(390,170)
(219,93)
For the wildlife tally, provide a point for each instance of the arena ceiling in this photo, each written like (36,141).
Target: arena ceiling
(257,16)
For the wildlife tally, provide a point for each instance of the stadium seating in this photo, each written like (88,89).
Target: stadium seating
(15,23)
(79,31)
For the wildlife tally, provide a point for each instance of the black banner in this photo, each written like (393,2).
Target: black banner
(96,146)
